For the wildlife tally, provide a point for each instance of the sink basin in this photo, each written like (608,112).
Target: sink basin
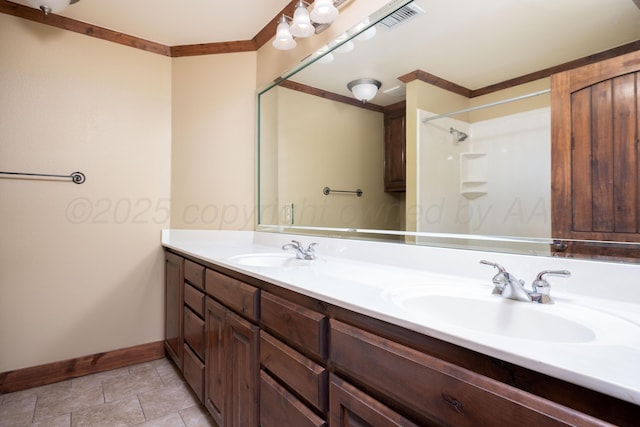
(467,309)
(276,259)
(500,316)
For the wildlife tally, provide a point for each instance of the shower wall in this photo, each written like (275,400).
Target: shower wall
(496,182)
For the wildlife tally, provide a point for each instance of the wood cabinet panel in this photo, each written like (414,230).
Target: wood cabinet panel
(395,149)
(242,371)
(438,391)
(279,408)
(194,332)
(238,296)
(306,377)
(194,273)
(193,371)
(595,159)
(194,299)
(173,306)
(215,360)
(303,328)
(351,407)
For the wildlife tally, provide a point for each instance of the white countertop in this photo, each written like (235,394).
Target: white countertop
(371,278)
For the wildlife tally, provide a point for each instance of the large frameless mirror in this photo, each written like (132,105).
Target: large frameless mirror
(460,109)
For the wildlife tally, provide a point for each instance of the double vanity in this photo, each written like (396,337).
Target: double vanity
(376,333)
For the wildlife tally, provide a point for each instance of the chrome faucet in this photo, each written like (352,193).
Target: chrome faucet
(506,285)
(301,252)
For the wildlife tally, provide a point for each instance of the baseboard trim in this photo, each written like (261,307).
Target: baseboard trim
(36,376)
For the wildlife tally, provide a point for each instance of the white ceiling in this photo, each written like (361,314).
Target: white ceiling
(473,43)
(173,22)
(479,43)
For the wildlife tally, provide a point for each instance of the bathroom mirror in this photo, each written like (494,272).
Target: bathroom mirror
(476,179)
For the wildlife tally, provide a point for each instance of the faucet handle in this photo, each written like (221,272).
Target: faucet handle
(541,286)
(499,280)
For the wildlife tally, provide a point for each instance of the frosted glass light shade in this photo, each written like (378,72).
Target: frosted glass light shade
(48,6)
(284,40)
(324,12)
(301,25)
(364,89)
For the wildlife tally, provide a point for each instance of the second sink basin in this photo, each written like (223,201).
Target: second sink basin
(500,316)
(464,310)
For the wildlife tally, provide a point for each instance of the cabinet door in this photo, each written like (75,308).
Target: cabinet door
(215,360)
(394,150)
(173,306)
(351,407)
(595,156)
(242,363)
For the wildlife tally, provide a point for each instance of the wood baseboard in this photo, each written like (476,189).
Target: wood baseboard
(36,376)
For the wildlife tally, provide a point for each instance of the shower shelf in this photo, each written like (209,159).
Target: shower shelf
(473,175)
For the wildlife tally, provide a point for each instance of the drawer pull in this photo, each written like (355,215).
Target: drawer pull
(457,406)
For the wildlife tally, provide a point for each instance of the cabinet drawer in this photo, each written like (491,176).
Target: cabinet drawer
(303,375)
(193,371)
(194,273)
(236,295)
(438,390)
(300,327)
(194,332)
(279,408)
(352,407)
(194,299)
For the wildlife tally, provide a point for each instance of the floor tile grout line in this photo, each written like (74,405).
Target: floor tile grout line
(142,408)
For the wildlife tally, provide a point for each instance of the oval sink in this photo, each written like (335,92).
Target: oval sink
(269,260)
(500,316)
(469,309)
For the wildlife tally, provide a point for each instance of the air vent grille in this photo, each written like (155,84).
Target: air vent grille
(401,15)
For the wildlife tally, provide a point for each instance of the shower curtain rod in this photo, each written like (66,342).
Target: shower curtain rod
(491,104)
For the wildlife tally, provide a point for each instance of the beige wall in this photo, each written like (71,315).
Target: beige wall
(213,117)
(327,143)
(80,265)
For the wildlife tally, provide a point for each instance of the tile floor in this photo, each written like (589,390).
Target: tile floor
(151,394)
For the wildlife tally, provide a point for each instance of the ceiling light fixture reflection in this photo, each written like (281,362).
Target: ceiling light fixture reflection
(364,89)
(51,6)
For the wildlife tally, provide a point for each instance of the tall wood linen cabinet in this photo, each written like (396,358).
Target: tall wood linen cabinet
(595,119)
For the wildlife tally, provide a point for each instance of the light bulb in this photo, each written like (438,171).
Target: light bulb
(324,12)
(284,40)
(301,25)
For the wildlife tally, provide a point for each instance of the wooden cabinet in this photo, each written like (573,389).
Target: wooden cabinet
(436,392)
(351,407)
(231,355)
(395,148)
(262,356)
(173,307)
(595,157)
(293,358)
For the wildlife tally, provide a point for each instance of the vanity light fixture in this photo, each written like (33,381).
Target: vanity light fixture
(364,89)
(304,23)
(51,6)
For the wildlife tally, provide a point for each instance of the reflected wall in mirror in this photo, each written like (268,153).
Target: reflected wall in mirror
(480,178)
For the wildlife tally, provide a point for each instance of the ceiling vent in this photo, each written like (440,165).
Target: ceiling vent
(401,15)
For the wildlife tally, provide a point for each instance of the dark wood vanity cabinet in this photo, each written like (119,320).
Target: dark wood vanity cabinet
(264,356)
(174,270)
(293,359)
(395,148)
(231,353)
